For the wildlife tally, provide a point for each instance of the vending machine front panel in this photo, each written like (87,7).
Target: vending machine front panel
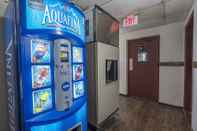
(50,43)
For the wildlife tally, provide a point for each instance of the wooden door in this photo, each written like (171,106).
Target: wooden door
(143,67)
(188,65)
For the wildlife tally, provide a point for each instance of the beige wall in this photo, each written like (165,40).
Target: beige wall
(108,93)
(171,90)
(3,92)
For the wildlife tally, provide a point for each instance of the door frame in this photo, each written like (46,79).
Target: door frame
(187,27)
(158,72)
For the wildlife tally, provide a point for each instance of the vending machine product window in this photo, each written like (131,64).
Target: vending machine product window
(42,100)
(41,76)
(78,89)
(40,51)
(78,72)
(77,55)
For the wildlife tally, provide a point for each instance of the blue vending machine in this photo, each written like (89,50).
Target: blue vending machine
(45,66)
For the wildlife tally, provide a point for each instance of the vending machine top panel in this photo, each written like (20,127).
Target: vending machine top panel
(55,17)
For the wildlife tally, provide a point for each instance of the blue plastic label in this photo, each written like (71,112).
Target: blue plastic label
(55,15)
(66,86)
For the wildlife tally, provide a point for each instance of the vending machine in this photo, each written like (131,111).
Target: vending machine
(45,66)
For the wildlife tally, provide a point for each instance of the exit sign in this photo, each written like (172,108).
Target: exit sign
(130,21)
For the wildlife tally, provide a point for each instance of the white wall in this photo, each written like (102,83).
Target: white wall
(108,93)
(171,49)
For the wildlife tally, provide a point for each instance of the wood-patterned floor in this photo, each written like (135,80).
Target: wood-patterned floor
(141,115)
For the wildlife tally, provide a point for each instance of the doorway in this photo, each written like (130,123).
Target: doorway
(188,65)
(143,67)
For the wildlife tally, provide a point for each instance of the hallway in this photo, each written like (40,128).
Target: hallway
(137,114)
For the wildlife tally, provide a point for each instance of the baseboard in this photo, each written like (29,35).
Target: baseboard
(112,114)
(92,127)
(179,107)
(123,95)
(98,127)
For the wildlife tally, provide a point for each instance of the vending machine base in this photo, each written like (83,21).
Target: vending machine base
(71,123)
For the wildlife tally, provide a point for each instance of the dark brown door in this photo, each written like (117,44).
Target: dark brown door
(188,65)
(143,67)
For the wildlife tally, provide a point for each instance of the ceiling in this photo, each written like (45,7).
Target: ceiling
(151,12)
(118,8)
